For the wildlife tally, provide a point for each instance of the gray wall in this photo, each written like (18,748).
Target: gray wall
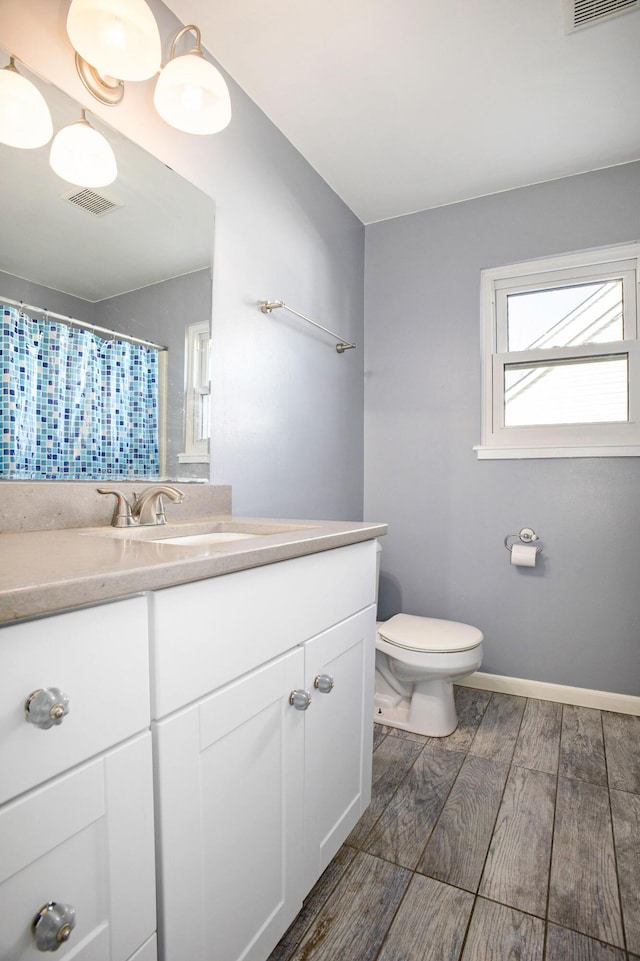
(575,618)
(287,409)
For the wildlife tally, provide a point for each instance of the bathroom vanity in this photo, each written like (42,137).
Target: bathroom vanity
(216,746)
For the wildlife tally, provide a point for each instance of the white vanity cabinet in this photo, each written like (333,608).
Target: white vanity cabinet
(76,825)
(255,793)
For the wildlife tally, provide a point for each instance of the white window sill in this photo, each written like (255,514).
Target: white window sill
(513,453)
(193,458)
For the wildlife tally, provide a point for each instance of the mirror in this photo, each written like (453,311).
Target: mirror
(142,267)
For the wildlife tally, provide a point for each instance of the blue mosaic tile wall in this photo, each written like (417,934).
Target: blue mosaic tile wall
(74,405)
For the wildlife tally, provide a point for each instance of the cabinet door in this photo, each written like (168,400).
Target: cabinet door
(85,840)
(229,777)
(338,737)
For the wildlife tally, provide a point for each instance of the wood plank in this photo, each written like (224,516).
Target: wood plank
(313,904)
(583,892)
(458,846)
(391,762)
(471,704)
(625,809)
(497,933)
(564,945)
(622,742)
(517,868)
(430,924)
(403,830)
(355,919)
(538,744)
(379,734)
(582,745)
(401,732)
(498,731)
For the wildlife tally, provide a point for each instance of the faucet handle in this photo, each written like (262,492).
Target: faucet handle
(177,496)
(122,516)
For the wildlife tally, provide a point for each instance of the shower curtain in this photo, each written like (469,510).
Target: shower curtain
(75,406)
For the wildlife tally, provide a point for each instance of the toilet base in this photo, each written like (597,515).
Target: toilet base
(430,711)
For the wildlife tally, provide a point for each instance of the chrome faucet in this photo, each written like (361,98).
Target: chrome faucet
(147,508)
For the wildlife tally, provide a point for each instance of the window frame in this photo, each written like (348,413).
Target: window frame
(197,393)
(598,439)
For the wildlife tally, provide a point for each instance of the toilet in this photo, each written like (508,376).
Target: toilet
(417,661)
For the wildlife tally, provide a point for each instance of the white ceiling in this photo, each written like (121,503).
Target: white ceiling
(402,105)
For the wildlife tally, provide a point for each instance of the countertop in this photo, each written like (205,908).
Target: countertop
(42,572)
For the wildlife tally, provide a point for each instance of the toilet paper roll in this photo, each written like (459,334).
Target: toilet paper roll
(523,555)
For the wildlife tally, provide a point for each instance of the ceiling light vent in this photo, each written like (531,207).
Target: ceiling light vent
(92,202)
(584,13)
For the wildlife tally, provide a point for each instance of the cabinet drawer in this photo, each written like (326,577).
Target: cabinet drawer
(210,632)
(83,840)
(99,658)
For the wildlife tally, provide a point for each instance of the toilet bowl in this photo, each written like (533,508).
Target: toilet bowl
(417,661)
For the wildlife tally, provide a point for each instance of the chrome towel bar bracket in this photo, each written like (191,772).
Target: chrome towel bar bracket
(266,306)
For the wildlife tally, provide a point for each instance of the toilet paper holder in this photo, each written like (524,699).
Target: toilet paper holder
(526,535)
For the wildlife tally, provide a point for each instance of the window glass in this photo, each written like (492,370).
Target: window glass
(588,391)
(588,313)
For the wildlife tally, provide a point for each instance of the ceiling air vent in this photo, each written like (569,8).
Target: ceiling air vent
(93,203)
(584,13)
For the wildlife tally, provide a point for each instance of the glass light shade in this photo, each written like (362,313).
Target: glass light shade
(119,38)
(25,120)
(191,95)
(82,156)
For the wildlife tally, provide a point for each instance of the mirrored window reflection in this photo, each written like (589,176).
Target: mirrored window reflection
(565,316)
(589,391)
(197,393)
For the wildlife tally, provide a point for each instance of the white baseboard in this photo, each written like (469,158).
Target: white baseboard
(544,691)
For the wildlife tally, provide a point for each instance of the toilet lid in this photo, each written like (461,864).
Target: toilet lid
(429,634)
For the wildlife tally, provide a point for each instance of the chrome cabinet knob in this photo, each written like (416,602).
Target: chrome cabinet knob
(324,683)
(46,706)
(52,925)
(300,700)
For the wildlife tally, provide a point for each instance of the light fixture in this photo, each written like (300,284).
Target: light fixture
(25,120)
(82,156)
(191,93)
(119,38)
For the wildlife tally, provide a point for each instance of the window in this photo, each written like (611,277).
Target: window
(561,358)
(197,391)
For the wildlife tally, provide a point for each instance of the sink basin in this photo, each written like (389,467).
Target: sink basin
(213,537)
(200,533)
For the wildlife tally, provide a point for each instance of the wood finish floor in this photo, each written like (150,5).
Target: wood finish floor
(517,838)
